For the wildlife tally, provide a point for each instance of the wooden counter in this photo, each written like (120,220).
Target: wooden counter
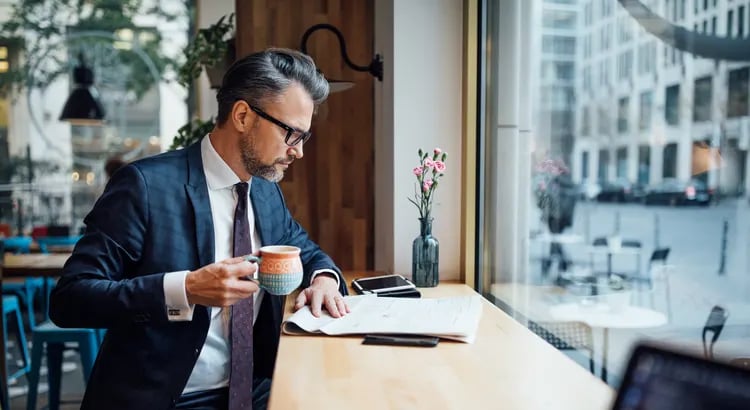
(508,367)
(34,265)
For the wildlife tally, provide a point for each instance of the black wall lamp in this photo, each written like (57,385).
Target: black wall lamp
(83,106)
(375,68)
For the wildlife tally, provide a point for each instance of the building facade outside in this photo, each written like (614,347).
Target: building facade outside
(647,111)
(555,112)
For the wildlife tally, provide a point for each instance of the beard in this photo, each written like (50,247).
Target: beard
(254,165)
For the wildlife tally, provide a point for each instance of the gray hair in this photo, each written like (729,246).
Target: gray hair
(263,76)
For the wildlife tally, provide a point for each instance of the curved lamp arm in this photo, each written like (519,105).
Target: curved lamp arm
(702,45)
(376,65)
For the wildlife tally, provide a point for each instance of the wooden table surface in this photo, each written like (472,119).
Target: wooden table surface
(33,264)
(508,367)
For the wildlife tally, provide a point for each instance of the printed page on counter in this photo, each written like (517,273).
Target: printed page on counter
(455,318)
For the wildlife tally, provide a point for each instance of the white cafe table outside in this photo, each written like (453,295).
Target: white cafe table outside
(601,315)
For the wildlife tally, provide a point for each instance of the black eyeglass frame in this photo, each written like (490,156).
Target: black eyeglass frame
(303,136)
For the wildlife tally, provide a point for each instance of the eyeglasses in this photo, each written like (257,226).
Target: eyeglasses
(293,135)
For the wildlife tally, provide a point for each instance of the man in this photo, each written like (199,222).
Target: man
(160,265)
(561,207)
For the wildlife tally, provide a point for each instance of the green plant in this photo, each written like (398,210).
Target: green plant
(192,132)
(209,47)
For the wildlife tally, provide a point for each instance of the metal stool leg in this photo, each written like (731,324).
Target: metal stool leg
(54,373)
(37,348)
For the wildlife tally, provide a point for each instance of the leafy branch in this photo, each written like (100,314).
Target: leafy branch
(208,48)
(191,133)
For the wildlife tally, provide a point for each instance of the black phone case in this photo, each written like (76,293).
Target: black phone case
(401,340)
(401,293)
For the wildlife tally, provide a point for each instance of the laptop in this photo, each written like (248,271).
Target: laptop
(661,379)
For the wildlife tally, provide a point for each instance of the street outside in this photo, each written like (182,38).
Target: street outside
(694,236)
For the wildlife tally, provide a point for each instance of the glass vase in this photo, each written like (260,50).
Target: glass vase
(424,256)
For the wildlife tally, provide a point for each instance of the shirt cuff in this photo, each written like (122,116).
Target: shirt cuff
(331,271)
(175,297)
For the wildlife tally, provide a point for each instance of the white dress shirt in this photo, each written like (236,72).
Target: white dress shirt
(211,371)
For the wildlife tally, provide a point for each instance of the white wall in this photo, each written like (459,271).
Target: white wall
(418,105)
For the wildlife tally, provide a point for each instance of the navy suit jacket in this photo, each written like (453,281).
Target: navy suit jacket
(155,217)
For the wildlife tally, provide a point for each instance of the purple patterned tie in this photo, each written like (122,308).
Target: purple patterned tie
(241,373)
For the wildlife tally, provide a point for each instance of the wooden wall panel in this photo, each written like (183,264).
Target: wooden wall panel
(330,192)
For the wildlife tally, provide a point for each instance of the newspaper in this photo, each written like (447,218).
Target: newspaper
(455,318)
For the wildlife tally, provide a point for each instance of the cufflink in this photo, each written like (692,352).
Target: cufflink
(173,312)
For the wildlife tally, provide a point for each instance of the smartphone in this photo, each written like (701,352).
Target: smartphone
(380,284)
(401,340)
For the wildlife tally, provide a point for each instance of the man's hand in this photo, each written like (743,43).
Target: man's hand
(323,291)
(222,283)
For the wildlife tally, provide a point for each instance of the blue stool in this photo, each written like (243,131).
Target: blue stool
(11,307)
(17,244)
(55,338)
(26,290)
(46,241)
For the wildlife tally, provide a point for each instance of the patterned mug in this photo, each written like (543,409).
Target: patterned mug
(279,268)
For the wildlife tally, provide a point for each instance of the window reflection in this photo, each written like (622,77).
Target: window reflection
(657,156)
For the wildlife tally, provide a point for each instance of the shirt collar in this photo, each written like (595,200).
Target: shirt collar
(218,174)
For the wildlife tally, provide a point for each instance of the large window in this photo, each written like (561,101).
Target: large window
(559,19)
(669,166)
(622,162)
(702,99)
(672,105)
(644,164)
(645,210)
(737,103)
(644,111)
(559,45)
(623,106)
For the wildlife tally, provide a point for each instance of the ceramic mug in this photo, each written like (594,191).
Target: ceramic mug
(279,269)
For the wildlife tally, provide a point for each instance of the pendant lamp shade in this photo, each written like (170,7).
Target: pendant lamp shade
(83,106)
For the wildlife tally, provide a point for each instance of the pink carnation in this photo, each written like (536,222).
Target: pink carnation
(418,171)
(428,163)
(439,166)
(426,185)
(438,151)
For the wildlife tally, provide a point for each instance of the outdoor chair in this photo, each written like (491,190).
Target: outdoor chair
(658,256)
(567,336)
(714,325)
(600,241)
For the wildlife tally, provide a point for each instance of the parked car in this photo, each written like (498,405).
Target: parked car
(674,192)
(621,190)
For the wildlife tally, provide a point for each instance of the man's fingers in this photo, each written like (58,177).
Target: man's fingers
(301,300)
(232,261)
(241,269)
(333,307)
(341,303)
(316,301)
(246,287)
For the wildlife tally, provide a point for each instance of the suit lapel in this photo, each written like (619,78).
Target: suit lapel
(263,212)
(197,192)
